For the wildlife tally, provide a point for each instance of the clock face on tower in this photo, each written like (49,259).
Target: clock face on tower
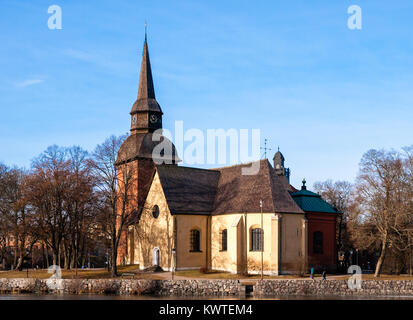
(134,119)
(153,118)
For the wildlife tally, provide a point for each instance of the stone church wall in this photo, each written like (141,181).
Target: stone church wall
(153,233)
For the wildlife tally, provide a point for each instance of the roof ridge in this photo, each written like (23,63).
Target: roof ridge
(185,167)
(240,164)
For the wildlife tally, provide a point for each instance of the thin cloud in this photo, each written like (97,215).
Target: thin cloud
(28,83)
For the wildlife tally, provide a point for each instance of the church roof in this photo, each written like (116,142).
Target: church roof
(146,100)
(140,145)
(225,190)
(312,202)
(188,190)
(238,193)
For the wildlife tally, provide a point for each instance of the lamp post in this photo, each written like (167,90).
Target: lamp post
(262,243)
(173,262)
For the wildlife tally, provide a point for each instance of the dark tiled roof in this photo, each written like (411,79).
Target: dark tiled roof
(140,145)
(225,190)
(188,190)
(312,202)
(292,189)
(237,193)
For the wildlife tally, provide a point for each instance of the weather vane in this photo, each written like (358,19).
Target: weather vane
(265,148)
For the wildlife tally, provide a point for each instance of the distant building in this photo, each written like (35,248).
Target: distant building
(321,216)
(192,218)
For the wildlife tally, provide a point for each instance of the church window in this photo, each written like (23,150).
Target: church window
(155,211)
(257,239)
(224,240)
(318,242)
(195,240)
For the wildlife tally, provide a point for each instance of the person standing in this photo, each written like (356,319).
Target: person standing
(311,273)
(324,274)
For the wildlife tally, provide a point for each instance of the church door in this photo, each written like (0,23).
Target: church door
(156,256)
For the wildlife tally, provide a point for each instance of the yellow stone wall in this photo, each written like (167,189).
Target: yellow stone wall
(293,253)
(184,258)
(152,232)
(224,260)
(284,239)
(239,251)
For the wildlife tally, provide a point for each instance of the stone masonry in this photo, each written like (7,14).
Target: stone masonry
(199,288)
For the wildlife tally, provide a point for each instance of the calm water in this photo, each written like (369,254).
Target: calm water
(117,297)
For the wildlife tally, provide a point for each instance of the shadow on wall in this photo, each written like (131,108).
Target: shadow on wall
(152,233)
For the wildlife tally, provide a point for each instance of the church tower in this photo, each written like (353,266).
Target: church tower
(279,165)
(146,113)
(138,154)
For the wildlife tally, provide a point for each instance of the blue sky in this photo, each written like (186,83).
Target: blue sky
(323,93)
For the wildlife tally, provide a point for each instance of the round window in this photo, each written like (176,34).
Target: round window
(155,211)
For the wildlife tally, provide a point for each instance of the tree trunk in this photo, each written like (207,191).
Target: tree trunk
(381,258)
(73,260)
(114,258)
(56,257)
(19,265)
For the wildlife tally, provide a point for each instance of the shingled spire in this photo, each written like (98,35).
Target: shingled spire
(146,114)
(146,90)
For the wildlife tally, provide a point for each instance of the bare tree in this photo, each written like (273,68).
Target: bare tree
(46,190)
(383,198)
(5,223)
(115,188)
(16,216)
(338,194)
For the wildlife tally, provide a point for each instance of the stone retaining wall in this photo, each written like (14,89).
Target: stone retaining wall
(333,288)
(207,287)
(124,286)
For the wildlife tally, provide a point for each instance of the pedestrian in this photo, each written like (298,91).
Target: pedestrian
(324,275)
(312,273)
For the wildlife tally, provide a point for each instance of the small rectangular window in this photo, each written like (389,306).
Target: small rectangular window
(257,240)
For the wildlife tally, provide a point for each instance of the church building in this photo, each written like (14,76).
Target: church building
(216,219)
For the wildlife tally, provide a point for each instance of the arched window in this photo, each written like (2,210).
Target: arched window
(224,240)
(257,239)
(318,242)
(195,241)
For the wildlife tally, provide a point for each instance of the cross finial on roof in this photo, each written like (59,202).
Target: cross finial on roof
(265,148)
(304,186)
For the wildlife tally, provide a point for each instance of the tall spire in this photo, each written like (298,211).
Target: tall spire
(146,90)
(146,114)
(146,26)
